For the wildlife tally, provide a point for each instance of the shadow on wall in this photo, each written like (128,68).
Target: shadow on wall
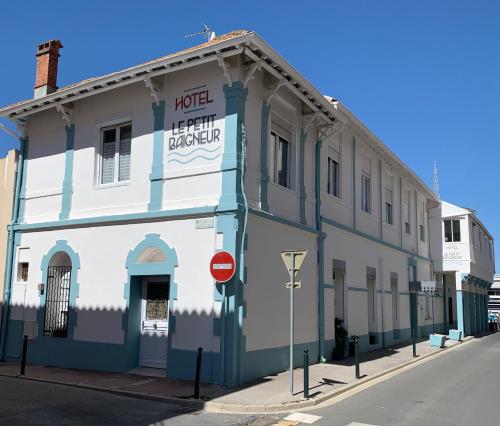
(114,340)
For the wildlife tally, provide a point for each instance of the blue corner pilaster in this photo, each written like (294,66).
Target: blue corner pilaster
(264,168)
(231,226)
(156,175)
(22,193)
(320,254)
(232,196)
(354,171)
(381,207)
(302,187)
(67,189)
(460,312)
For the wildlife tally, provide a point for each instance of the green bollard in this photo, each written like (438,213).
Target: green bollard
(355,340)
(414,342)
(306,373)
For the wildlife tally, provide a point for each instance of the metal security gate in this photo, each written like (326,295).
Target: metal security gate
(57,301)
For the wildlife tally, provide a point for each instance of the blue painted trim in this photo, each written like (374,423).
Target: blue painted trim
(371,238)
(156,176)
(401,211)
(353,182)
(231,196)
(119,218)
(264,169)
(232,226)
(302,187)
(283,221)
(136,270)
(365,290)
(328,286)
(321,252)
(67,188)
(381,207)
(416,225)
(74,289)
(24,168)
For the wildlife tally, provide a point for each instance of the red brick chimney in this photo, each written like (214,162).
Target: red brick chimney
(47,57)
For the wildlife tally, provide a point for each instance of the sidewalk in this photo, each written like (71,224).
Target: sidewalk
(268,394)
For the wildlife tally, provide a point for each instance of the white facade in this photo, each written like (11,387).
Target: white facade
(233,155)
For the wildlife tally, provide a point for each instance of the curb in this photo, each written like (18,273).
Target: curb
(233,408)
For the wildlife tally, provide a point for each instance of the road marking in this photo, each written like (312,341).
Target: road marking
(360,424)
(303,418)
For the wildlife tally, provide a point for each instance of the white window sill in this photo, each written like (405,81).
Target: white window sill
(112,185)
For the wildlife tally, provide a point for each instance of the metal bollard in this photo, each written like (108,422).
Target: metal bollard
(23,357)
(199,357)
(306,373)
(355,340)
(414,342)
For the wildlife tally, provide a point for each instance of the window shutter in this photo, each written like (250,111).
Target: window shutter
(124,162)
(108,162)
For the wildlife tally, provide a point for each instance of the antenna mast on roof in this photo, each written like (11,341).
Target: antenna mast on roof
(206,32)
(435,180)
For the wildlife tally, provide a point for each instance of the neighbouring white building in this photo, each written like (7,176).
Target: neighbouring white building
(130,182)
(494,296)
(463,255)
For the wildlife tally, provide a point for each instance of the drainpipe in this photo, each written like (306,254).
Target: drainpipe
(321,254)
(10,251)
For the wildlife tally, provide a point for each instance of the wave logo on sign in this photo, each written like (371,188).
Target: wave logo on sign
(204,153)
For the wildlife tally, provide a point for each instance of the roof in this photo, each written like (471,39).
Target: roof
(233,43)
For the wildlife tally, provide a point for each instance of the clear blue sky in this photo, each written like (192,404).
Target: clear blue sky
(423,75)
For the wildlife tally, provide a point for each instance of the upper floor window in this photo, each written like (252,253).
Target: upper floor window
(281,152)
(406,211)
(365,184)
(389,201)
(115,154)
(422,223)
(365,193)
(333,173)
(451,230)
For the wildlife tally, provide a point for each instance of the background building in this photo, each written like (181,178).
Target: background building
(464,262)
(494,295)
(7,181)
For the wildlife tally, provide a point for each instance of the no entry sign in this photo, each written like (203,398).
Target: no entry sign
(222,266)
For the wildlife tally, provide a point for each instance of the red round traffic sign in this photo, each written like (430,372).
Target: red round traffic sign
(222,266)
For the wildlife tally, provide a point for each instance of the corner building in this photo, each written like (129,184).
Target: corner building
(130,182)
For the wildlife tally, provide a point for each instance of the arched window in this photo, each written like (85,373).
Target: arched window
(57,299)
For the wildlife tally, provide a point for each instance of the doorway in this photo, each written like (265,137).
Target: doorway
(154,322)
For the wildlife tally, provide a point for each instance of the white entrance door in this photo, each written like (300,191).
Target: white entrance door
(154,324)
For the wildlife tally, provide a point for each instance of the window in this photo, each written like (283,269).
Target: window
(365,193)
(333,173)
(281,151)
(389,210)
(22,271)
(406,212)
(422,223)
(115,154)
(452,231)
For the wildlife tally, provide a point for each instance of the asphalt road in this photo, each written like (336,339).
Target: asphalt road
(459,388)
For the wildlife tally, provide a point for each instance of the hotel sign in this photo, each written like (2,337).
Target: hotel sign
(195,132)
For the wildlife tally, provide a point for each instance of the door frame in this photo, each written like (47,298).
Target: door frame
(137,267)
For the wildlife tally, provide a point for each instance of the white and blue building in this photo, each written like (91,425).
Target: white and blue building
(130,182)
(463,254)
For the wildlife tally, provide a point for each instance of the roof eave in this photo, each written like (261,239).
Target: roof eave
(127,76)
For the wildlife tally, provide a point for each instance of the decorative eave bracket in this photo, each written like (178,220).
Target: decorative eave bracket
(225,69)
(154,89)
(274,91)
(65,113)
(328,130)
(309,120)
(251,73)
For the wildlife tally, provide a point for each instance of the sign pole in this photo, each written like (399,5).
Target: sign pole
(292,280)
